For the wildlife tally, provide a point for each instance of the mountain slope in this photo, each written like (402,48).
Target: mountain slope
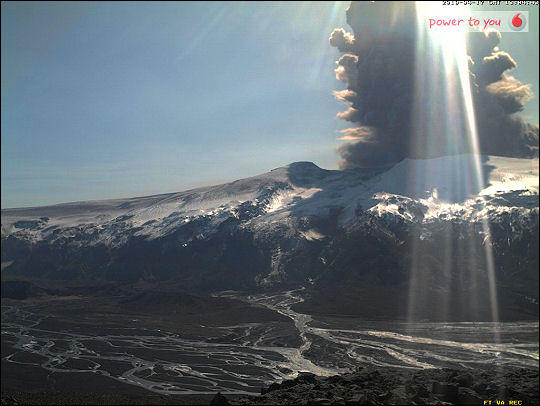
(356,230)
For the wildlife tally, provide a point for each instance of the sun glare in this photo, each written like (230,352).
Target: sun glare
(444,123)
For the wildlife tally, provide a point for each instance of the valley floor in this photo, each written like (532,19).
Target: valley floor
(114,350)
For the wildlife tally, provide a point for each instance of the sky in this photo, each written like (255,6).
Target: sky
(105,100)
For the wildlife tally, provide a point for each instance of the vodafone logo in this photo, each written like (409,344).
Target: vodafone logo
(518,22)
(479,20)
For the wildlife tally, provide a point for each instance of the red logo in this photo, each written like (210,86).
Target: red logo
(516,21)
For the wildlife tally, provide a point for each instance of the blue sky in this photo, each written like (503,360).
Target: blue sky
(104,100)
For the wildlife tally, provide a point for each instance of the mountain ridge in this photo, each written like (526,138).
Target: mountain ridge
(301,225)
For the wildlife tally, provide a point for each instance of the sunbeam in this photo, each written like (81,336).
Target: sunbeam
(444,123)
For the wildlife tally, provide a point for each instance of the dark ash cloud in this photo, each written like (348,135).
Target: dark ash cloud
(382,77)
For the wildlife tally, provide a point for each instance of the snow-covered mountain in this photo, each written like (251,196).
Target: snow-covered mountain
(412,191)
(290,225)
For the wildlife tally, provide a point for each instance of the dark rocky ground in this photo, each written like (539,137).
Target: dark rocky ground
(46,398)
(373,386)
(32,385)
(94,305)
(401,387)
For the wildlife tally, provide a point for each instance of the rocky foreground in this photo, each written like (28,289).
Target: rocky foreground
(398,386)
(371,386)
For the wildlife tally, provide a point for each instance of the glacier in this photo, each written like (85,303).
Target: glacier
(352,238)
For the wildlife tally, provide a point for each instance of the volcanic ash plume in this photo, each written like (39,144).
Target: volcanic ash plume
(381,70)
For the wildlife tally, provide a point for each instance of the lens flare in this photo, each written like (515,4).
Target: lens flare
(444,123)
